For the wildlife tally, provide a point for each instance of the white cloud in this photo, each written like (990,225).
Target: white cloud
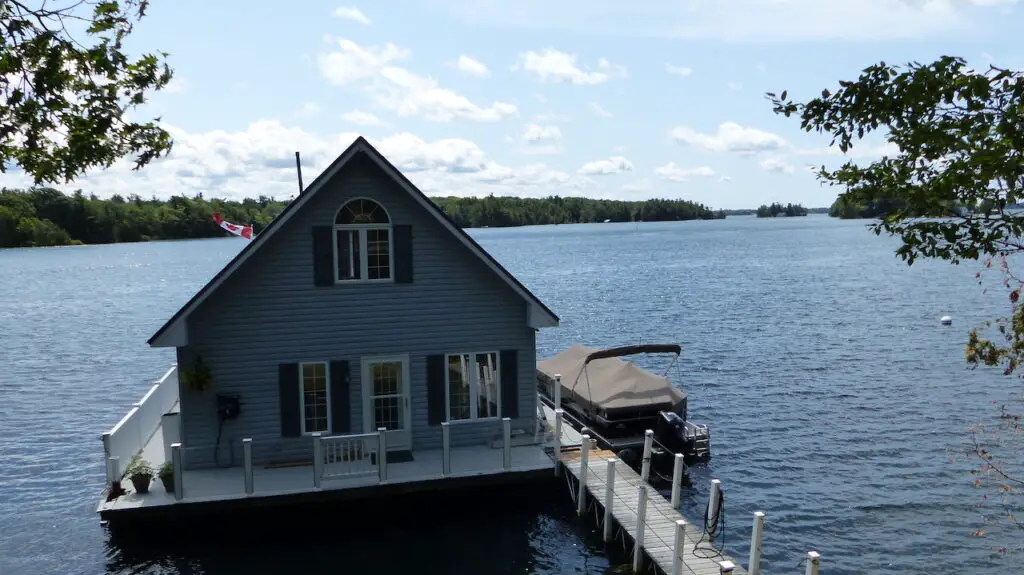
(400,91)
(540,140)
(678,70)
(361,118)
(551,65)
(731,137)
(597,109)
(674,173)
(607,167)
(471,67)
(739,20)
(776,165)
(308,110)
(353,14)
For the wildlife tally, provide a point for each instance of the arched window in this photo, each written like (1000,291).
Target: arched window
(362,242)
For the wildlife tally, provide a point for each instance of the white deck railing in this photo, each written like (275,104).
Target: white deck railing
(342,456)
(126,439)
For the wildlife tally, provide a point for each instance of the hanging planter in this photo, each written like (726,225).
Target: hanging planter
(198,377)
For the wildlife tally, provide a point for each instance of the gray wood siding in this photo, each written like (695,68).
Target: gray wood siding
(270,312)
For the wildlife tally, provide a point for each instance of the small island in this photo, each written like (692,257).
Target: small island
(777,210)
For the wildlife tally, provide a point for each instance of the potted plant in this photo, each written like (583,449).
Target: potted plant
(141,474)
(198,377)
(166,475)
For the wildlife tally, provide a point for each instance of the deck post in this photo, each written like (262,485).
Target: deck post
(609,500)
(581,497)
(382,453)
(106,456)
(247,464)
(113,471)
(679,547)
(677,479)
(813,563)
(558,440)
(179,479)
(446,449)
(641,512)
(318,459)
(506,434)
(726,567)
(713,499)
(756,537)
(645,469)
(557,394)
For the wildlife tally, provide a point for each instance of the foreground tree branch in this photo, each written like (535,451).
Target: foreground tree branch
(66,100)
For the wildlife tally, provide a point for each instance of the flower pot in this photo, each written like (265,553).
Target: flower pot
(141,482)
(168,481)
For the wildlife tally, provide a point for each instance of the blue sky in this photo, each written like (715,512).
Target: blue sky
(596,98)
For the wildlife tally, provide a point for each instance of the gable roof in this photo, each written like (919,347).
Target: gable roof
(539,315)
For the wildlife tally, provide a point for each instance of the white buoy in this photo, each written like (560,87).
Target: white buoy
(946,320)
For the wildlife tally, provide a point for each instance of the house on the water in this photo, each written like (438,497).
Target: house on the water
(362,340)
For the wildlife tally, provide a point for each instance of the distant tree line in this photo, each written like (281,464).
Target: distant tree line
(776,209)
(879,207)
(48,217)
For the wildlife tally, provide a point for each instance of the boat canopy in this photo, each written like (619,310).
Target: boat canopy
(602,380)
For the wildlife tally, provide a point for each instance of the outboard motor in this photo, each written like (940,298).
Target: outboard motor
(671,431)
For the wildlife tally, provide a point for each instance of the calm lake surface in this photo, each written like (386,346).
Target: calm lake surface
(839,405)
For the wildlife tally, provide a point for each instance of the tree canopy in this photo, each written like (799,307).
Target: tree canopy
(776,209)
(67,99)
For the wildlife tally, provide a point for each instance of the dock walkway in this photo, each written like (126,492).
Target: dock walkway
(658,540)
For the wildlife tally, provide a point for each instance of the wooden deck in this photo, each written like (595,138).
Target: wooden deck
(660,518)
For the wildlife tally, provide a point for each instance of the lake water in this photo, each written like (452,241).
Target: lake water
(839,405)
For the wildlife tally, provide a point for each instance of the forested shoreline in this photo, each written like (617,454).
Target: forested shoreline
(48,217)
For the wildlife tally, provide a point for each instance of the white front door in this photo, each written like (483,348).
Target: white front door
(386,399)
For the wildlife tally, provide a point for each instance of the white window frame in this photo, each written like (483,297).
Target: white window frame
(474,387)
(302,395)
(364,261)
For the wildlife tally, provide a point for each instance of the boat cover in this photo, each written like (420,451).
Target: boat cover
(608,383)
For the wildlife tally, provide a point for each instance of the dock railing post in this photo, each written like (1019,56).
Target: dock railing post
(726,567)
(247,464)
(609,499)
(179,475)
(677,479)
(756,537)
(813,563)
(557,393)
(558,440)
(506,434)
(641,512)
(645,469)
(446,449)
(382,453)
(318,459)
(113,471)
(581,497)
(679,547)
(713,499)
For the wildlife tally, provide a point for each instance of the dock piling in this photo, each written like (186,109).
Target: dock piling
(446,449)
(756,537)
(726,567)
(179,479)
(677,479)
(609,499)
(558,437)
(247,464)
(713,501)
(113,470)
(318,459)
(506,432)
(679,547)
(581,497)
(641,513)
(382,453)
(645,470)
(557,394)
(813,563)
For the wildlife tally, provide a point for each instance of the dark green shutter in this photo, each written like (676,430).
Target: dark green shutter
(509,381)
(323,255)
(403,253)
(288,383)
(341,401)
(435,389)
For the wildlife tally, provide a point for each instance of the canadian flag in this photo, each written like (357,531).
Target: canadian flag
(243,231)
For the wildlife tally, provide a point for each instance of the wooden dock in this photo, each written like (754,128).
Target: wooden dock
(658,541)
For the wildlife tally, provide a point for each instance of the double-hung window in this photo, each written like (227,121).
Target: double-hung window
(473,385)
(362,242)
(314,397)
